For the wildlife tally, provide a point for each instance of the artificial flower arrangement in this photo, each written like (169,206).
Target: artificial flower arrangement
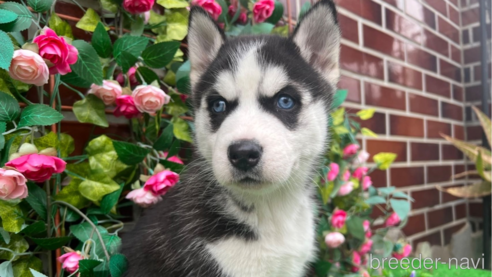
(67,210)
(347,231)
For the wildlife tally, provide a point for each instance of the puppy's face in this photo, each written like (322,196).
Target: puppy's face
(261,103)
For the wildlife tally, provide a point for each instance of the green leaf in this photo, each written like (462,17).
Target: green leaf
(176,25)
(338,98)
(161,54)
(72,195)
(37,199)
(110,200)
(36,273)
(72,78)
(366,114)
(147,74)
(7,50)
(86,267)
(401,207)
(277,14)
(6,269)
(12,217)
(65,143)
(110,5)
(132,45)
(262,28)
(183,70)
(23,20)
(7,16)
(23,266)
(89,21)
(176,107)
(181,129)
(172,4)
(485,122)
(40,5)
(322,267)
(165,139)
(95,190)
(126,61)
(17,244)
(282,31)
(9,107)
(183,85)
(91,110)
(60,26)
(400,194)
(130,153)
(175,167)
(174,149)
(5,235)
(368,133)
(84,231)
(103,157)
(39,114)
(118,265)
(88,66)
(35,228)
(355,227)
(112,243)
(137,27)
(51,243)
(304,9)
(386,191)
(384,160)
(375,200)
(101,41)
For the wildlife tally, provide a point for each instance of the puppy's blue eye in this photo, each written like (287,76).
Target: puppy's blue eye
(285,102)
(219,106)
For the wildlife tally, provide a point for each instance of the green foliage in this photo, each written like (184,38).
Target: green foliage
(130,153)
(60,26)
(384,160)
(339,98)
(39,114)
(101,41)
(89,21)
(304,9)
(277,14)
(103,157)
(181,129)
(37,199)
(118,265)
(88,66)
(7,49)
(40,5)
(71,194)
(51,243)
(9,107)
(12,217)
(17,244)
(7,16)
(91,110)
(86,267)
(161,54)
(172,4)
(24,265)
(147,74)
(23,20)
(130,44)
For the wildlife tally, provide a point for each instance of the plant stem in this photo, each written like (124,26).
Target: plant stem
(88,221)
(72,89)
(48,223)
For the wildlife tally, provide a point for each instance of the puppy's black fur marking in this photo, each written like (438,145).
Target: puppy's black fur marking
(216,119)
(169,239)
(289,117)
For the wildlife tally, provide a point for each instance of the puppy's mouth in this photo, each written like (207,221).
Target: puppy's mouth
(249,180)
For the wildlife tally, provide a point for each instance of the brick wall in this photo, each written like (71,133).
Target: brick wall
(412,61)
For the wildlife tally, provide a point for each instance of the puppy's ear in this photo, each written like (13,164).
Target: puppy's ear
(318,37)
(204,41)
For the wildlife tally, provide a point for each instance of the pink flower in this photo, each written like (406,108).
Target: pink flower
(405,252)
(131,76)
(392,220)
(70,261)
(361,157)
(350,150)
(146,17)
(338,218)
(356,260)
(346,175)
(161,182)
(149,99)
(369,234)
(262,10)
(57,51)
(346,189)
(173,159)
(334,239)
(138,6)
(359,172)
(242,19)
(366,247)
(125,106)
(108,92)
(143,197)
(29,67)
(37,167)
(333,173)
(183,97)
(12,185)
(212,7)
(366,182)
(366,225)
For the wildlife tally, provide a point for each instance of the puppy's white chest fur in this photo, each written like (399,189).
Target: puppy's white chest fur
(285,241)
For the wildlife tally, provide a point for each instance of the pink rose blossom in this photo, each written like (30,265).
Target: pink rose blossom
(338,218)
(350,150)
(146,17)
(334,239)
(173,159)
(56,50)
(346,175)
(70,261)
(366,225)
(242,19)
(131,77)
(361,157)
(262,10)
(366,247)
(359,172)
(366,182)
(407,249)
(346,189)
(143,197)
(138,6)
(183,97)
(29,67)
(37,167)
(212,7)
(12,185)
(392,220)
(369,234)
(366,274)
(333,173)
(108,92)
(149,99)
(356,261)
(161,182)
(125,106)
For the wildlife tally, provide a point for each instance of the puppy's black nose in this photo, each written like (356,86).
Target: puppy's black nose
(244,154)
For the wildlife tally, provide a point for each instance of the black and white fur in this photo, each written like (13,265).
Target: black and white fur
(259,222)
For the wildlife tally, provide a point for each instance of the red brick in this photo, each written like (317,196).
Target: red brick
(423,105)
(421,58)
(436,128)
(449,152)
(352,86)
(425,198)
(440,217)
(403,26)
(448,30)
(451,111)
(398,147)
(404,76)
(436,43)
(406,126)
(349,28)
(424,151)
(414,225)
(407,176)
(382,96)
(364,8)
(433,239)
(440,173)
(359,62)
(437,86)
(384,43)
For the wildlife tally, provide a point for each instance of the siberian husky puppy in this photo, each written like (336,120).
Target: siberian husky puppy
(245,206)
